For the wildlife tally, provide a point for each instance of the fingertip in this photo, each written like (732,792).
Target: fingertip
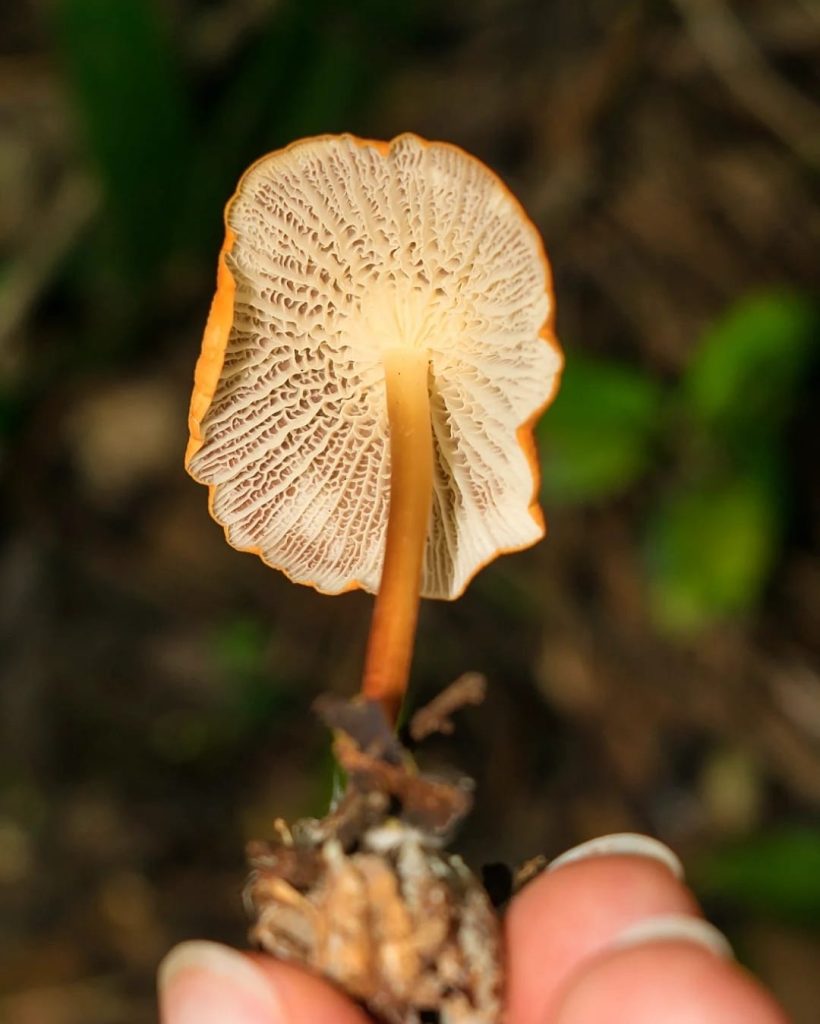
(633,844)
(674,981)
(207,983)
(565,917)
(306,998)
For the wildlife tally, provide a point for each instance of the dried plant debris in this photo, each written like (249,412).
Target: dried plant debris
(470,688)
(369,898)
(528,871)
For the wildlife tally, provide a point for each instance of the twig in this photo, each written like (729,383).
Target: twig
(435,717)
(733,55)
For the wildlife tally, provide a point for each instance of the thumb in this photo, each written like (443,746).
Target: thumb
(207,983)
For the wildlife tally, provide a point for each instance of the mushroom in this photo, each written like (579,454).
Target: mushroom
(378,349)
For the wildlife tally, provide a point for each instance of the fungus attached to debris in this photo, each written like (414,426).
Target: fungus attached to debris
(378,349)
(368,896)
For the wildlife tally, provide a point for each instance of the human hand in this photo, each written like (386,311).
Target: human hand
(609,933)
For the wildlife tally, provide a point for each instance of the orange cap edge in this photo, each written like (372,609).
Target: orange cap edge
(220,318)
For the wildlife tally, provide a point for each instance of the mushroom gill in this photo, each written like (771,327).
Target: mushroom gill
(341,253)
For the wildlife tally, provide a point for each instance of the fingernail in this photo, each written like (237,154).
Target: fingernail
(202,981)
(631,844)
(674,928)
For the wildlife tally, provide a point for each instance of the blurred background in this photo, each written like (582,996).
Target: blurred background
(653,664)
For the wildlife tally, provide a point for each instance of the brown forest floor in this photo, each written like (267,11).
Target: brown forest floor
(156,685)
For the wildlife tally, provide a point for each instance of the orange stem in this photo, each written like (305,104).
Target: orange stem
(395,613)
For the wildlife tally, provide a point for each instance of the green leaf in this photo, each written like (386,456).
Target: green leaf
(240,646)
(255,693)
(597,438)
(744,375)
(120,67)
(711,547)
(777,875)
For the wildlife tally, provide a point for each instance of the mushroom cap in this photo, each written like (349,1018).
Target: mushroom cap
(336,249)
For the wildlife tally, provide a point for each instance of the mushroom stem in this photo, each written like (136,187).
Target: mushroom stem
(395,613)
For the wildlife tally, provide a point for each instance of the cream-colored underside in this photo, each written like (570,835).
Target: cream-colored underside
(342,252)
